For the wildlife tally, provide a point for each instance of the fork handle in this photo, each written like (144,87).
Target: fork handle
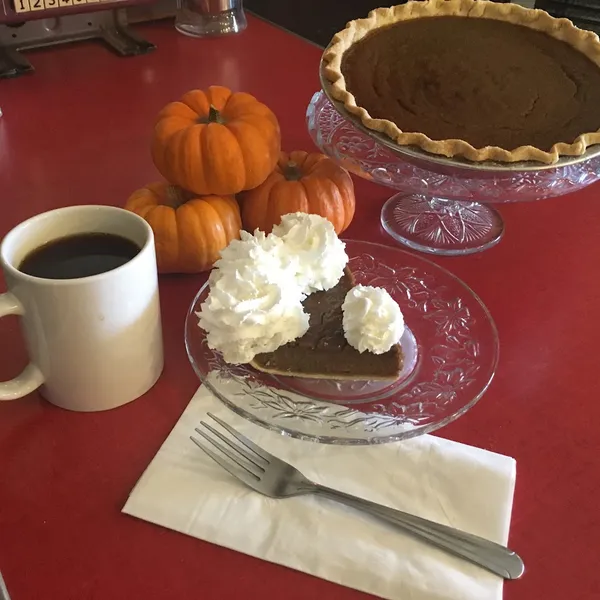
(491,556)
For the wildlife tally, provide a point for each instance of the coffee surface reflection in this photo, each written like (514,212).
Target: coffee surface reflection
(78,256)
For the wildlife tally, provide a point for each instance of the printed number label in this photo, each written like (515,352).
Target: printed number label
(22,6)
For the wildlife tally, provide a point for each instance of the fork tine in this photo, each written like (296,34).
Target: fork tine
(243,475)
(242,438)
(250,457)
(238,459)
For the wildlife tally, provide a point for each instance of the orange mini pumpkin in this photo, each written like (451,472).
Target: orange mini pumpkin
(301,182)
(189,232)
(216,141)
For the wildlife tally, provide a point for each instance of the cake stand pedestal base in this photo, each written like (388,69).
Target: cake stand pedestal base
(440,226)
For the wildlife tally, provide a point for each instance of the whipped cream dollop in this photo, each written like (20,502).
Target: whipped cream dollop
(266,254)
(372,320)
(248,312)
(254,304)
(321,255)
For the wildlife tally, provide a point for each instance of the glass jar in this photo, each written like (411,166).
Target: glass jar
(201,18)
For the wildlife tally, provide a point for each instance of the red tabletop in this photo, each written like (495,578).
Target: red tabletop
(77,132)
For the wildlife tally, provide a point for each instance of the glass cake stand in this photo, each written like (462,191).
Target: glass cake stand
(450,352)
(441,207)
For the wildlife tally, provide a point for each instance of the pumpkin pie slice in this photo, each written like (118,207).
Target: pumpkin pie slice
(470,78)
(323,352)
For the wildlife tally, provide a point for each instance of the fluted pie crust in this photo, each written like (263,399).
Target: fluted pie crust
(585,42)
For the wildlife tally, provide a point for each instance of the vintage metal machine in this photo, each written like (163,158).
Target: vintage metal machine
(27,24)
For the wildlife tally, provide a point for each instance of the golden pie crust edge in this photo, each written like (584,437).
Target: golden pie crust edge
(586,42)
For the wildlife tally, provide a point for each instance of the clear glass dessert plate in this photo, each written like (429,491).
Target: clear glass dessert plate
(442,205)
(450,348)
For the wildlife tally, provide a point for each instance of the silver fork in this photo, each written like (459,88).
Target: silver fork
(273,477)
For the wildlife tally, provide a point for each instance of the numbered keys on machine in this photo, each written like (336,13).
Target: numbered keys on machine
(22,6)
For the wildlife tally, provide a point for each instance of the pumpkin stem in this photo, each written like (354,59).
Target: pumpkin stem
(176,196)
(292,171)
(214,116)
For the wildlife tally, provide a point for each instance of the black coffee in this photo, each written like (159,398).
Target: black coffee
(78,256)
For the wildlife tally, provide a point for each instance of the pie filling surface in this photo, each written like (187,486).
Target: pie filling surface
(485,81)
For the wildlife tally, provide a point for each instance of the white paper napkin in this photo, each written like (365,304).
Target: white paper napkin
(448,482)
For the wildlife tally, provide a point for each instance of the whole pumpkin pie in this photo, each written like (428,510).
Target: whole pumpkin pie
(471,78)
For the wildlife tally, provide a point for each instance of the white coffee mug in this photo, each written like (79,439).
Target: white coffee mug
(95,342)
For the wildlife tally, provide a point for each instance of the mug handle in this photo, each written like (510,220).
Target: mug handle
(31,378)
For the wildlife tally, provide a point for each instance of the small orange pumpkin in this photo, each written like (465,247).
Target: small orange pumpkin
(216,141)
(189,232)
(301,182)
